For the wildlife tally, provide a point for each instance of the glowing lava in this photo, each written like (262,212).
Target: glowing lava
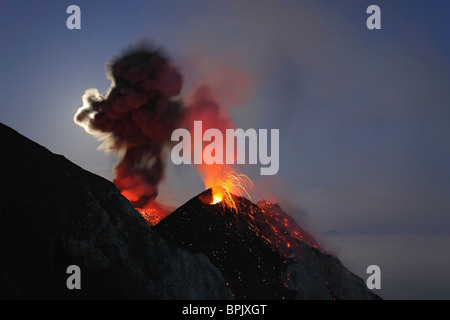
(217,194)
(231,183)
(153,213)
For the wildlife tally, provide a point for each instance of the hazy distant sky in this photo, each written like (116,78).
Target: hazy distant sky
(363,114)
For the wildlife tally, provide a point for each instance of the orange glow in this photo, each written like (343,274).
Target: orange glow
(217,195)
(153,213)
(231,183)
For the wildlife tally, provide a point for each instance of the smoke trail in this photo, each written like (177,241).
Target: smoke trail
(135,119)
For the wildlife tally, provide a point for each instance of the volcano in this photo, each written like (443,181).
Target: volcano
(260,250)
(54,214)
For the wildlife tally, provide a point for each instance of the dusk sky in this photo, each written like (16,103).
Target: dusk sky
(363,114)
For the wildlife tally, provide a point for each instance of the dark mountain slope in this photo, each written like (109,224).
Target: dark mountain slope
(54,214)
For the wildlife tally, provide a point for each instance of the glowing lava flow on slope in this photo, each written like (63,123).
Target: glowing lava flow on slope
(153,213)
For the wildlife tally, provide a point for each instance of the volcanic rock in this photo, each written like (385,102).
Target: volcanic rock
(54,214)
(260,250)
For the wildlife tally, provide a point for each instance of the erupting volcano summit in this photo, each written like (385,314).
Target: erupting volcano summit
(260,250)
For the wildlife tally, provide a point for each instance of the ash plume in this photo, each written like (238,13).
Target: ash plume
(135,119)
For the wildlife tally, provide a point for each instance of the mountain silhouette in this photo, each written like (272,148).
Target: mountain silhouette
(54,214)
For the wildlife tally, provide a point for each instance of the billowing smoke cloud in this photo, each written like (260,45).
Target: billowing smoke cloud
(135,119)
